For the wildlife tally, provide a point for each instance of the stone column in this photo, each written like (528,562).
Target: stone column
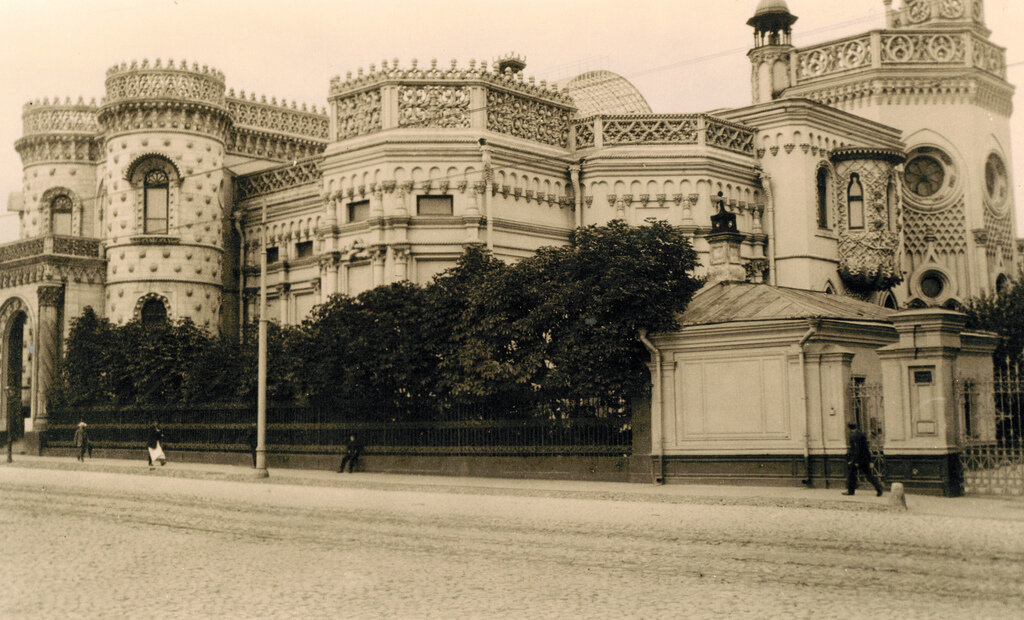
(400,254)
(51,305)
(282,292)
(378,255)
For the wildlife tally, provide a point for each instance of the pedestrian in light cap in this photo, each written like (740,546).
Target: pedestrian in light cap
(82,440)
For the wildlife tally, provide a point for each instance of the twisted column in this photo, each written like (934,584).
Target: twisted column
(51,301)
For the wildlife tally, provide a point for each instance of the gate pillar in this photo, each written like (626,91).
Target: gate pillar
(921,417)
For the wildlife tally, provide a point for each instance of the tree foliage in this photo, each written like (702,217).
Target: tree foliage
(1002,313)
(562,323)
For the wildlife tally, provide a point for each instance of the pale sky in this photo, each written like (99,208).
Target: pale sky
(683,55)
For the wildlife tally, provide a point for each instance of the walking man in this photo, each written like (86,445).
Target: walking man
(858,458)
(352,450)
(82,441)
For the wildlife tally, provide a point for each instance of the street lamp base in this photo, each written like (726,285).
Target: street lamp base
(261,473)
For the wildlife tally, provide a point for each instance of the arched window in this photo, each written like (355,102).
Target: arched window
(60,215)
(156,191)
(1002,283)
(153,312)
(855,203)
(822,197)
(890,205)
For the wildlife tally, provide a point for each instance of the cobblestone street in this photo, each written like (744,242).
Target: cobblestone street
(94,544)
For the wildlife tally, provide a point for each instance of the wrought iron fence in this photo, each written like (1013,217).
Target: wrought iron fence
(868,408)
(578,427)
(991,424)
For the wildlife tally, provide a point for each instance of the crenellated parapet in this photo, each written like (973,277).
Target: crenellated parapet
(142,81)
(269,130)
(449,98)
(59,131)
(162,96)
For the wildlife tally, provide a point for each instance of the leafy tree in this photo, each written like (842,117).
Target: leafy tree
(1002,313)
(565,321)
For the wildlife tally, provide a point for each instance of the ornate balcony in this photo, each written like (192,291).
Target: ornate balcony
(50,258)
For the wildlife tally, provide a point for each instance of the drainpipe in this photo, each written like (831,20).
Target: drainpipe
(766,183)
(657,446)
(485,153)
(237,217)
(813,329)
(574,175)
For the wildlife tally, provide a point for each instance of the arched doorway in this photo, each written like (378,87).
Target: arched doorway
(13,338)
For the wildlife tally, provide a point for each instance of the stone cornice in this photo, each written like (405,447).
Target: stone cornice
(884,87)
(59,148)
(802,110)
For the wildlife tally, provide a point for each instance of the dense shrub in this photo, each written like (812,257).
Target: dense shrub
(562,324)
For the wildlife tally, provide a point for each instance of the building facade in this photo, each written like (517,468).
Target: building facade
(844,176)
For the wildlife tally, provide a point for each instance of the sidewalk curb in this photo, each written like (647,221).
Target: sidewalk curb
(758,496)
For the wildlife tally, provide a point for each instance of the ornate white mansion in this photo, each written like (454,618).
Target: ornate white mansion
(874,166)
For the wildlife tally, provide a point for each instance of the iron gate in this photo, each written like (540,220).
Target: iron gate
(991,419)
(868,408)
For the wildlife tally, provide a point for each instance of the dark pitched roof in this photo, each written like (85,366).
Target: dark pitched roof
(740,301)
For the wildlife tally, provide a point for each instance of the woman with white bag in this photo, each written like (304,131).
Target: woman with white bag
(156,452)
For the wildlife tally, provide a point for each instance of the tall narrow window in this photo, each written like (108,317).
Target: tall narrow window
(822,197)
(156,195)
(855,202)
(60,212)
(890,205)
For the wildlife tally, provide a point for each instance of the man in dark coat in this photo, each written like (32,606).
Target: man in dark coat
(858,458)
(352,450)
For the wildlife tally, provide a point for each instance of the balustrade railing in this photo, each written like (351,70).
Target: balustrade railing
(50,245)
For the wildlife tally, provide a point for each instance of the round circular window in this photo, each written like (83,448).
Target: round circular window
(924,175)
(930,180)
(996,183)
(932,284)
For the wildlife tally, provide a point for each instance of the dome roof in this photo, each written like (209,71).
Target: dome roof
(604,92)
(771,6)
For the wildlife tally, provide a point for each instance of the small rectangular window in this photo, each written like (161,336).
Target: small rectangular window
(304,249)
(922,377)
(358,211)
(271,255)
(434,205)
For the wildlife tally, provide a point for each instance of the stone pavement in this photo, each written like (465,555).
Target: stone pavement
(1001,508)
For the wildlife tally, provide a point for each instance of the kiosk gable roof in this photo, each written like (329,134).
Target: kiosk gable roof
(739,301)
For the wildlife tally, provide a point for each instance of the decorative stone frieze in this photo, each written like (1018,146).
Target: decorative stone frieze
(834,58)
(133,116)
(164,82)
(279,179)
(357,114)
(527,118)
(59,148)
(262,145)
(674,129)
(43,117)
(432,105)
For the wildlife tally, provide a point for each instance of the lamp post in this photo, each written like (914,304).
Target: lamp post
(261,373)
